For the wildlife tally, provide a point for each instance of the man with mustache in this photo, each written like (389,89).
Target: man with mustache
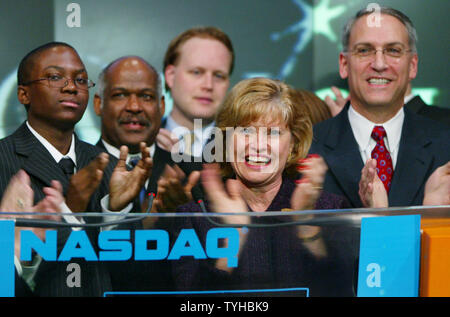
(130,104)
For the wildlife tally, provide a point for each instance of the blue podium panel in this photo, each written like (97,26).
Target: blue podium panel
(6,258)
(389,256)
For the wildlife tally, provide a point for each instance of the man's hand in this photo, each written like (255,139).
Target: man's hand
(18,197)
(85,182)
(125,185)
(371,189)
(171,192)
(166,140)
(336,105)
(437,187)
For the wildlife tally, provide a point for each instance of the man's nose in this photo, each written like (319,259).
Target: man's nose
(133,104)
(379,61)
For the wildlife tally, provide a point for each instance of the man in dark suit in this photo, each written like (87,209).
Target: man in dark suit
(417,105)
(412,102)
(130,104)
(53,85)
(379,62)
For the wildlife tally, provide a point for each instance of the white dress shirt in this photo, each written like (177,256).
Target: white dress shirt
(201,134)
(64,208)
(116,152)
(362,130)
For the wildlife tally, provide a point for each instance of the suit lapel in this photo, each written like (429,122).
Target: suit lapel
(84,153)
(37,161)
(342,147)
(415,104)
(413,162)
(100,145)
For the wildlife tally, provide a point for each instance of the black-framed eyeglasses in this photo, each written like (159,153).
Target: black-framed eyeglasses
(61,82)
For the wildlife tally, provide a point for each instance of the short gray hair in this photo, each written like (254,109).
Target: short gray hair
(101,84)
(412,34)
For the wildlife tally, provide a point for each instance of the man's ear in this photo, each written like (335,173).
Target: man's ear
(98,105)
(23,95)
(343,65)
(169,75)
(413,66)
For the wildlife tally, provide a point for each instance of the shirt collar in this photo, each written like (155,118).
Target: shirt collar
(202,133)
(408,98)
(362,128)
(116,152)
(57,156)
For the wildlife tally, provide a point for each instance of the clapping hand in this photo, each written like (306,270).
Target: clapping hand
(85,182)
(125,185)
(171,191)
(223,199)
(18,197)
(437,187)
(336,105)
(371,189)
(309,187)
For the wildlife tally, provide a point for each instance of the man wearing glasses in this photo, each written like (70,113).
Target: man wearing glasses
(53,86)
(375,149)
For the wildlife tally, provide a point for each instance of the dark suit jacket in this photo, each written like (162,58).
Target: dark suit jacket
(143,275)
(424,146)
(22,150)
(275,257)
(417,105)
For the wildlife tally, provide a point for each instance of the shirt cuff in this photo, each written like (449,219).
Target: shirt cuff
(69,218)
(118,215)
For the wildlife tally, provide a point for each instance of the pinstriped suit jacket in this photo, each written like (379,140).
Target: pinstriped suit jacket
(21,150)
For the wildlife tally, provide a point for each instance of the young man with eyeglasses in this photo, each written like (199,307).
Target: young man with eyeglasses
(53,85)
(378,152)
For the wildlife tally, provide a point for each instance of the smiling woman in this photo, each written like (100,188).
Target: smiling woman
(271,138)
(268,127)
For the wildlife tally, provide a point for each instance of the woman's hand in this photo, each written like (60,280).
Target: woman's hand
(309,187)
(223,199)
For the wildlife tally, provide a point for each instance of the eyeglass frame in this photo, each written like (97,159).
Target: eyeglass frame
(374,51)
(90,84)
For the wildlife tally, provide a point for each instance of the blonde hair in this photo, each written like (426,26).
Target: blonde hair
(269,100)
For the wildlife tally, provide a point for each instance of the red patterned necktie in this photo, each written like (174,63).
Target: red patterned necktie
(383,157)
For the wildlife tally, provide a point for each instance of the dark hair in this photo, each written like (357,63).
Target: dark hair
(208,32)
(26,64)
